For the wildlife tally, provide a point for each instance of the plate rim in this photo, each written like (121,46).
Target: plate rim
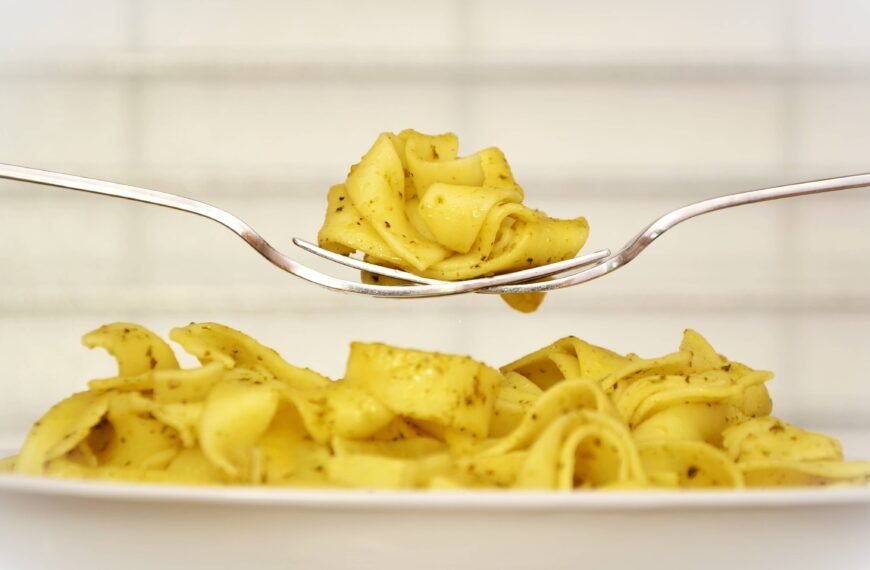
(332,499)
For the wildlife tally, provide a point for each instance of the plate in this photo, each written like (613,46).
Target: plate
(81,524)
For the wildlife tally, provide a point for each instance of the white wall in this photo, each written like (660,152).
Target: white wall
(617,110)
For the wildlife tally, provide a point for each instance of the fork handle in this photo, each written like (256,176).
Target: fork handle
(680,215)
(689,211)
(105,188)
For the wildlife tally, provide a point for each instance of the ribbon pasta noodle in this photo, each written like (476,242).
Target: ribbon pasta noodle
(568,416)
(412,203)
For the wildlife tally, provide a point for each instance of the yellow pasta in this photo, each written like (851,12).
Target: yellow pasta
(568,416)
(414,204)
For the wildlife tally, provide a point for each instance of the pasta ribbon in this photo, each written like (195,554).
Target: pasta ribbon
(61,429)
(236,414)
(771,452)
(135,348)
(570,416)
(689,464)
(446,390)
(413,203)
(585,449)
(213,342)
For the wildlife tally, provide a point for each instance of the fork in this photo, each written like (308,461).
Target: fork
(559,275)
(423,287)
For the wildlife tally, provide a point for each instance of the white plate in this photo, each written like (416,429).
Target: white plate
(69,524)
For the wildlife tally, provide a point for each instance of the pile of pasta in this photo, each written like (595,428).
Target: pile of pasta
(568,416)
(412,203)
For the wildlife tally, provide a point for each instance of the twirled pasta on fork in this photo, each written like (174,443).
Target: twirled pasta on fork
(413,203)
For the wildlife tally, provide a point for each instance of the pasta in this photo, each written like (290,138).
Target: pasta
(412,203)
(568,416)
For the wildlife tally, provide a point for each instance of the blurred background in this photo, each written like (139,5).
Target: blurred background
(617,110)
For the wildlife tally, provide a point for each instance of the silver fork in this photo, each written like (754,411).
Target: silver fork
(561,274)
(423,288)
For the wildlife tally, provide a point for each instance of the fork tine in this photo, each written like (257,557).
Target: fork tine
(581,275)
(503,279)
(362,265)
